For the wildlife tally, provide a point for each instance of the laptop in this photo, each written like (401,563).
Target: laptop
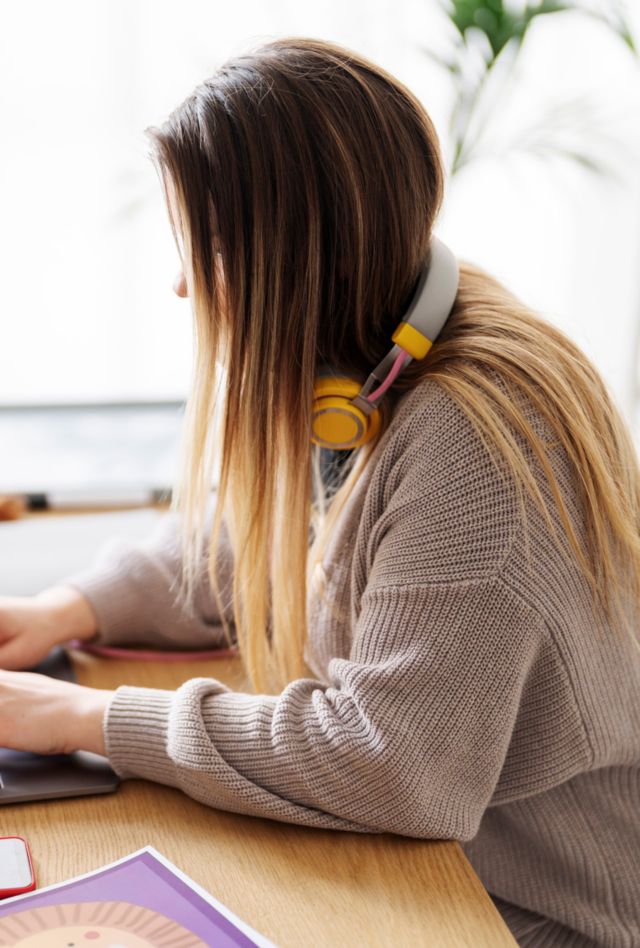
(26,777)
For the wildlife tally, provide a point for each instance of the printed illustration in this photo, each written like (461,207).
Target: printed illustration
(94,925)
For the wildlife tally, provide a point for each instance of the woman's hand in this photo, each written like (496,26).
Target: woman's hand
(46,716)
(31,625)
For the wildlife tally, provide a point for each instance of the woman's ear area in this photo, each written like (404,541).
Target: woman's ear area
(180,285)
(172,207)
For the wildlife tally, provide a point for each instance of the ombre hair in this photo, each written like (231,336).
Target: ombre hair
(303,183)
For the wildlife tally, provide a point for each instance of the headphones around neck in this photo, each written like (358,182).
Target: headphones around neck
(345,413)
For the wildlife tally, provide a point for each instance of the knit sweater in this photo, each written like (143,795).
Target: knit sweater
(465,688)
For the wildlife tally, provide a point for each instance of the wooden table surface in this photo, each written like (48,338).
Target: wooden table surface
(297,886)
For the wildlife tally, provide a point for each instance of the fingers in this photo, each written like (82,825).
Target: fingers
(9,661)
(15,657)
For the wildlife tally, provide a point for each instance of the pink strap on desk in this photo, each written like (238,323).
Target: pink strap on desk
(152,655)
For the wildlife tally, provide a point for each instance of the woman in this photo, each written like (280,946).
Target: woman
(442,639)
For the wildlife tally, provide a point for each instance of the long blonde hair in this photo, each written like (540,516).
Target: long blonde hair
(305,181)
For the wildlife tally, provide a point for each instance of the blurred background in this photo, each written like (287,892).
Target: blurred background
(538,109)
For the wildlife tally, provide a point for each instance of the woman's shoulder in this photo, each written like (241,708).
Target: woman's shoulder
(442,485)
(446,434)
(437,495)
(434,443)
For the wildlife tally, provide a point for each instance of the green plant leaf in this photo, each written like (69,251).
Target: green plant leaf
(499,25)
(490,16)
(500,29)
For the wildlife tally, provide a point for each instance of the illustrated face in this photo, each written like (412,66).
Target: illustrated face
(94,925)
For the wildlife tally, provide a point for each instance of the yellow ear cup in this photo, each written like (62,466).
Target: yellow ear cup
(335,422)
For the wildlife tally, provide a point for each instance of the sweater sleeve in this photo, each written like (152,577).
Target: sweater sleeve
(408,735)
(132,588)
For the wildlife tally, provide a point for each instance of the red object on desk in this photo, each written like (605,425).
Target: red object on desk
(16,867)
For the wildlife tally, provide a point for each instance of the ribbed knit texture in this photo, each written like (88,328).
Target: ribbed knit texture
(466,689)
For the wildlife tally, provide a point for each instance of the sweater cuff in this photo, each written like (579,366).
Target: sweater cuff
(135,729)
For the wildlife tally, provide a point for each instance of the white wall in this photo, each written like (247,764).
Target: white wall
(87,308)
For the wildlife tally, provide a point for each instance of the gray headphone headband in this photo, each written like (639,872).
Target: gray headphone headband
(435,293)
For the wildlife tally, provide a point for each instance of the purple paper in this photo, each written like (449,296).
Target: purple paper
(145,881)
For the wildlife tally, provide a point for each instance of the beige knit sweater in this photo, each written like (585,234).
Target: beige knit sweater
(465,690)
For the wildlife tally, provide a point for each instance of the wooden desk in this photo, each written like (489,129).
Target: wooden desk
(298,886)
